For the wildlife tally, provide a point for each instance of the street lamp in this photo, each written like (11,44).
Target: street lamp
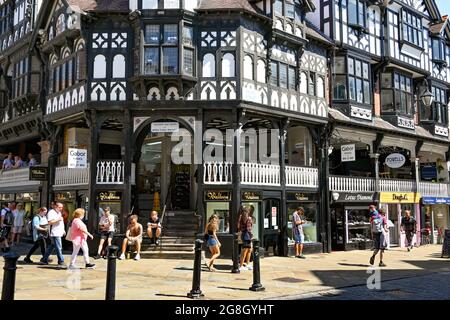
(427,97)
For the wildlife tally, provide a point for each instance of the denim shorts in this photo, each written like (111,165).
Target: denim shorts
(212,242)
(299,238)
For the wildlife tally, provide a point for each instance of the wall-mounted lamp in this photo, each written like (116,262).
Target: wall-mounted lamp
(426,97)
(335,196)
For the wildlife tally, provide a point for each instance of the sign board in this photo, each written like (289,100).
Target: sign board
(65,196)
(435,200)
(274,211)
(301,196)
(395,160)
(165,127)
(217,196)
(399,197)
(348,152)
(110,196)
(266,223)
(251,196)
(365,197)
(77,158)
(428,172)
(38,173)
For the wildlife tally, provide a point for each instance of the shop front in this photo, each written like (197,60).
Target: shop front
(218,202)
(435,219)
(310,203)
(395,204)
(350,220)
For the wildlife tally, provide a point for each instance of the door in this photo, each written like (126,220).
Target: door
(270,226)
(338,228)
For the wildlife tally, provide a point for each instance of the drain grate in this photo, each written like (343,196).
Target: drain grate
(290,280)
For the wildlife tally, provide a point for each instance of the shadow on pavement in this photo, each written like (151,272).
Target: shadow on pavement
(354,265)
(170,295)
(231,288)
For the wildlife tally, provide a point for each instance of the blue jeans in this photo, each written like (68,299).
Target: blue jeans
(55,244)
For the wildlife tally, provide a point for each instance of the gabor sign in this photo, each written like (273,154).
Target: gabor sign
(348,152)
(77,158)
(395,160)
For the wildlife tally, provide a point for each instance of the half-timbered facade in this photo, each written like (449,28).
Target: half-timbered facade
(388,55)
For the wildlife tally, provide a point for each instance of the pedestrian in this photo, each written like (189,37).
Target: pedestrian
(213,242)
(133,237)
(408,227)
(377,224)
(31,160)
(298,220)
(18,163)
(386,235)
(57,231)
(239,232)
(79,236)
(373,210)
(106,226)
(19,214)
(246,226)
(6,223)
(251,212)
(154,228)
(40,233)
(8,162)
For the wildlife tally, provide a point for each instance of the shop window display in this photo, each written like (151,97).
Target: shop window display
(310,228)
(222,210)
(358,225)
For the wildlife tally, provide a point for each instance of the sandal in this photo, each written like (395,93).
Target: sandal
(209,267)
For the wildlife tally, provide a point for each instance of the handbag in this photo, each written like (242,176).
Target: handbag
(69,234)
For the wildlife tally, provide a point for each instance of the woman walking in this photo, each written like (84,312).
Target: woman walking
(213,241)
(79,239)
(245,226)
(19,215)
(40,232)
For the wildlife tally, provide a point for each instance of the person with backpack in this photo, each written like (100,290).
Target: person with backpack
(40,233)
(408,227)
(6,223)
(378,225)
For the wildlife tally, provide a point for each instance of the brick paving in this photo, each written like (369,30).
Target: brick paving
(420,274)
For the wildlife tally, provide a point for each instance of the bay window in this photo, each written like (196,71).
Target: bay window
(282,75)
(356,10)
(439,47)
(161,50)
(440,110)
(412,28)
(397,94)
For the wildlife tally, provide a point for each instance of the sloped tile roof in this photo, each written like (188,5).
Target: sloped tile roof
(100,5)
(221,5)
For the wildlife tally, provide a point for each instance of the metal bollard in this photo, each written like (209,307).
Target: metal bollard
(256,286)
(9,276)
(111,273)
(235,268)
(196,293)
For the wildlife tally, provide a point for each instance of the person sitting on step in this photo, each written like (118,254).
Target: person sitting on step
(154,228)
(133,237)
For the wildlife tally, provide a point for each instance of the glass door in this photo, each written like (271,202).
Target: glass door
(270,226)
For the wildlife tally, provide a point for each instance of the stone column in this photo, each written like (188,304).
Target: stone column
(376,170)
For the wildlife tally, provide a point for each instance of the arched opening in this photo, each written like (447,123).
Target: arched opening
(209,66)
(228,66)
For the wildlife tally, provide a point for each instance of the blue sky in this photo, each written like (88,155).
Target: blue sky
(444,6)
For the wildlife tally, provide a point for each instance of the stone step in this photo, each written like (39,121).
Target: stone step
(180,233)
(168,247)
(167,255)
(172,240)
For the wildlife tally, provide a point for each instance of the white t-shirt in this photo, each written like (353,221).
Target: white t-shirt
(57,229)
(104,220)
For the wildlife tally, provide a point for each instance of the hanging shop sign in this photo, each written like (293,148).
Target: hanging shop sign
(165,127)
(399,197)
(354,197)
(395,160)
(348,152)
(251,196)
(428,172)
(435,200)
(110,196)
(300,196)
(38,173)
(77,158)
(217,196)
(65,196)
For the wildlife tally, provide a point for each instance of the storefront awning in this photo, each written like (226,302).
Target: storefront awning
(435,200)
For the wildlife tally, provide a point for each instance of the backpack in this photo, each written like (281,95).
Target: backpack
(377,224)
(9,218)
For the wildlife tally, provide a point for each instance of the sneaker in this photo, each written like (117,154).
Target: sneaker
(90,266)
(42,261)
(122,257)
(96,257)
(382,264)
(301,257)
(73,267)
(157,242)
(243,268)
(249,267)
(27,260)
(62,266)
(409,249)
(137,257)
(372,260)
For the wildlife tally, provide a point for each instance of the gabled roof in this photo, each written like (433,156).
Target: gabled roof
(100,5)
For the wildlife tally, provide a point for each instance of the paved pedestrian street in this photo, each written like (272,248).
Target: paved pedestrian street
(420,274)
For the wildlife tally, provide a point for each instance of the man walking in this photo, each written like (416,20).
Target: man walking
(297,225)
(6,223)
(378,226)
(408,226)
(57,231)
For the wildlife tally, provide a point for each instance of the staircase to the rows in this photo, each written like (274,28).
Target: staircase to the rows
(178,237)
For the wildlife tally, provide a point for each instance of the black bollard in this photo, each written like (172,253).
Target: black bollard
(111,273)
(256,286)
(196,293)
(235,268)
(9,276)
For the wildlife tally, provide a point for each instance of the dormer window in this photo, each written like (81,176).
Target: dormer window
(412,29)
(357,14)
(439,47)
(289,9)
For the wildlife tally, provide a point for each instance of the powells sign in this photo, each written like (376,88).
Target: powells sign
(395,160)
